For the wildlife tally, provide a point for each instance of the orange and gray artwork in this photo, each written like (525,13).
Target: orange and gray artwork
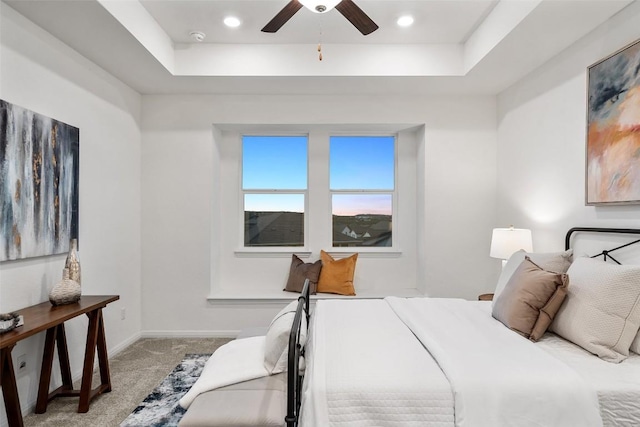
(39,174)
(613,133)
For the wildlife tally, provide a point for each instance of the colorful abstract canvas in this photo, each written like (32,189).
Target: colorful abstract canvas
(613,132)
(39,174)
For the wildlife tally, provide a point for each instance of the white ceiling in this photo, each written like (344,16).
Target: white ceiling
(454,46)
(435,21)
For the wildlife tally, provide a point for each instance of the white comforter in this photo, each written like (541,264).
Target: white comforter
(365,368)
(498,378)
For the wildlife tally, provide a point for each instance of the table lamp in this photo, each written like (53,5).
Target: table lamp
(506,241)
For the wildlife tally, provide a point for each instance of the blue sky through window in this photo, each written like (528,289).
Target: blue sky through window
(362,162)
(274,162)
(356,163)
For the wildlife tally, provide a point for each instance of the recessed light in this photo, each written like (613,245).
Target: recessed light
(232,21)
(405,21)
(197,36)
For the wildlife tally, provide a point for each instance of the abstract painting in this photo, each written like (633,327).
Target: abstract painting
(39,174)
(613,129)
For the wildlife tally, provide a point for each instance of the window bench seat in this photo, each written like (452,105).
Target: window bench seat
(262,296)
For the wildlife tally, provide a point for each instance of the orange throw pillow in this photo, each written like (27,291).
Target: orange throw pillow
(336,276)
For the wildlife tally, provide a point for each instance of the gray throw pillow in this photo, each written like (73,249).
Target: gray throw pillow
(299,271)
(531,299)
(557,262)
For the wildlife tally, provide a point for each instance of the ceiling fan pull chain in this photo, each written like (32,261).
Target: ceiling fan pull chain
(320,42)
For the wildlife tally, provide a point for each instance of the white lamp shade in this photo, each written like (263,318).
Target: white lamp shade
(313,4)
(506,241)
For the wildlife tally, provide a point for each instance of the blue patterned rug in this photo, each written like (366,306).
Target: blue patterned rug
(161,408)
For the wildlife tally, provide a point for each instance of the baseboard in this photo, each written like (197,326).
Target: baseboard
(123,345)
(190,334)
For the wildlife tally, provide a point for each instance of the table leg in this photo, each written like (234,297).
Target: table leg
(45,371)
(89,358)
(56,337)
(95,340)
(103,358)
(63,358)
(10,388)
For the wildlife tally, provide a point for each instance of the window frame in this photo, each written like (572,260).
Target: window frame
(394,248)
(273,250)
(313,134)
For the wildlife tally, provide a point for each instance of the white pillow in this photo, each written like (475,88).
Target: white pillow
(276,349)
(557,262)
(602,311)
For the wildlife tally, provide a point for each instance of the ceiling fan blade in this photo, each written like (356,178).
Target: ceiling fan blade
(357,17)
(282,17)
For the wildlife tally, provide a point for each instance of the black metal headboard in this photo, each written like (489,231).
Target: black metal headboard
(607,252)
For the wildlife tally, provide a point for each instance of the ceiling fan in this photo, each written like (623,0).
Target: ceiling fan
(347,8)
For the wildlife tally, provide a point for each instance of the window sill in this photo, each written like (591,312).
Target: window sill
(270,253)
(341,253)
(303,253)
(260,296)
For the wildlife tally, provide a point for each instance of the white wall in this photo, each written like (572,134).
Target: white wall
(535,155)
(40,73)
(541,141)
(375,272)
(184,230)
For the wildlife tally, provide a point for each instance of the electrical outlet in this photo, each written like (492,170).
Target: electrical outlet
(123,313)
(22,362)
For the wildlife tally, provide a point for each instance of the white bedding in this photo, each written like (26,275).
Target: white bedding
(498,377)
(351,381)
(617,384)
(365,368)
(234,362)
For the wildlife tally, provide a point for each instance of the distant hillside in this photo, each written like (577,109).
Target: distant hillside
(273,228)
(287,229)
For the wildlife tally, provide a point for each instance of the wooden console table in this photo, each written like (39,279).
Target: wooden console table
(45,317)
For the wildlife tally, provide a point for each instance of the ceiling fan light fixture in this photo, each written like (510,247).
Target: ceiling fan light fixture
(319,6)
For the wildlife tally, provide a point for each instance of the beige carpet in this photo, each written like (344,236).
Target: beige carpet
(135,372)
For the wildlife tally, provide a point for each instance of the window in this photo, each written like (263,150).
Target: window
(353,205)
(274,186)
(362,181)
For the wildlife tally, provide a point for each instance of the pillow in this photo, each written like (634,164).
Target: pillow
(299,271)
(602,312)
(531,299)
(336,276)
(276,348)
(557,262)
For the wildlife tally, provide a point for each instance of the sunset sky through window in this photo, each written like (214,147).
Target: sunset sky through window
(356,163)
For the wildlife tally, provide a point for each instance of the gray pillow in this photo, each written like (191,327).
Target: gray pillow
(557,262)
(602,311)
(299,271)
(531,299)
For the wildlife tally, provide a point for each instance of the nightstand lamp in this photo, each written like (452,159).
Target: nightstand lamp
(506,241)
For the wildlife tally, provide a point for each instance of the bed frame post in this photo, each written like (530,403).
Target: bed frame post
(294,381)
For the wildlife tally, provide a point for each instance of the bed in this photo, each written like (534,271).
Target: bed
(449,362)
